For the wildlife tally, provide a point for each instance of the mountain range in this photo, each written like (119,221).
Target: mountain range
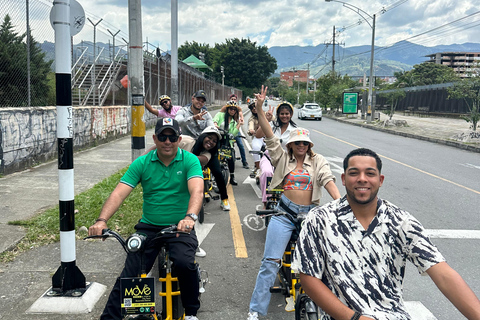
(355,61)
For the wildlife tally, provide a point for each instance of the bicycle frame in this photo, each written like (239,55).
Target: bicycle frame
(172,308)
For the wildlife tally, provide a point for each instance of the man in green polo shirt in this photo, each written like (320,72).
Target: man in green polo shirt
(172,183)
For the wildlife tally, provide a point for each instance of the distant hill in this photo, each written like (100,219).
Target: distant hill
(355,61)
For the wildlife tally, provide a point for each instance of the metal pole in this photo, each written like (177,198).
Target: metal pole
(333,53)
(113,60)
(68,276)
(174,51)
(371,107)
(136,76)
(28,56)
(94,80)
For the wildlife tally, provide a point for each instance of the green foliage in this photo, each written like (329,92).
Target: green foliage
(468,89)
(13,69)
(392,97)
(44,228)
(189,48)
(426,73)
(246,65)
(330,88)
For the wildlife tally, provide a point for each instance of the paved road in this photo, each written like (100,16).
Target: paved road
(437,183)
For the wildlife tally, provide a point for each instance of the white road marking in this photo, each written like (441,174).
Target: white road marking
(418,311)
(202,230)
(333,164)
(469,165)
(253,183)
(453,234)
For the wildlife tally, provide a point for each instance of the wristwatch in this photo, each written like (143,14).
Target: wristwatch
(192,215)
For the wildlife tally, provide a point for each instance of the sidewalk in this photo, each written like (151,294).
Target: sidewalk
(433,129)
(26,193)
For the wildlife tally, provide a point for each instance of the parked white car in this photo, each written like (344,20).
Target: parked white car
(310,111)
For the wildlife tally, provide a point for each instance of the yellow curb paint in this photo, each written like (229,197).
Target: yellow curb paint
(237,233)
(406,165)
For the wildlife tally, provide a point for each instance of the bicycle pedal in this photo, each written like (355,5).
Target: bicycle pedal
(290,304)
(216,197)
(276,289)
(253,175)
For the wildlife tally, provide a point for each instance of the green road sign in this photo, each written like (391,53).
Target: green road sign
(350,102)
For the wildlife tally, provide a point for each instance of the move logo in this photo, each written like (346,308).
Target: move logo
(136,292)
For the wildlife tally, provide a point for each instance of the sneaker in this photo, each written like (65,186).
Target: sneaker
(191,318)
(245,165)
(233,182)
(200,252)
(252,316)
(225,205)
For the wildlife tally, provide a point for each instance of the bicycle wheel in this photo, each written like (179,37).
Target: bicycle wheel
(225,173)
(201,214)
(305,308)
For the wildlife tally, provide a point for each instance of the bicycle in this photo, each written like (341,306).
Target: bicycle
(138,293)
(207,192)
(289,282)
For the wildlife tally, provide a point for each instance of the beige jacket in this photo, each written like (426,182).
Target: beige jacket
(317,167)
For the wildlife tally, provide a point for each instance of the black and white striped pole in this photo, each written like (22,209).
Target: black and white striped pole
(68,276)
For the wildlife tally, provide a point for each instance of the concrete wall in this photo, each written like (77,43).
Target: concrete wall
(28,135)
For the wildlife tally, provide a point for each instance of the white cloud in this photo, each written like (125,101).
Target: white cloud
(286,22)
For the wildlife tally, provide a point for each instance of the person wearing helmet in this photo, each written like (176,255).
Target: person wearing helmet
(167,111)
(229,121)
(238,139)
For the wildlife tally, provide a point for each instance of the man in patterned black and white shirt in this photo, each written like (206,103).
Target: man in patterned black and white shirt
(351,253)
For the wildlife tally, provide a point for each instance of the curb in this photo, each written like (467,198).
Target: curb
(410,135)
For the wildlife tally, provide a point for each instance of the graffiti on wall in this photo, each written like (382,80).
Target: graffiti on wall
(28,135)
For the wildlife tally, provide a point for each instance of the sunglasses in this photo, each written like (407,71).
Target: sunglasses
(164,137)
(305,143)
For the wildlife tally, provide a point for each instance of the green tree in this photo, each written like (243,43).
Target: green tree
(330,88)
(246,65)
(469,90)
(13,69)
(392,97)
(426,73)
(189,48)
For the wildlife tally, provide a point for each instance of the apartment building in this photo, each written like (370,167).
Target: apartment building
(463,63)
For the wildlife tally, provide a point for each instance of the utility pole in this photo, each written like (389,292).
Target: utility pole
(333,53)
(135,75)
(174,52)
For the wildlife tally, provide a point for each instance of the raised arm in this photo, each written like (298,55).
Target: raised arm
(452,285)
(262,119)
(151,109)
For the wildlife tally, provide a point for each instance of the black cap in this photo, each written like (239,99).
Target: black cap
(200,94)
(167,123)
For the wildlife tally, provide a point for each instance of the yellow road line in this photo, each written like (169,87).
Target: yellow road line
(237,233)
(406,165)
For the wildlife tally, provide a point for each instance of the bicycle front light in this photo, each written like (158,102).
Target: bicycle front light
(135,242)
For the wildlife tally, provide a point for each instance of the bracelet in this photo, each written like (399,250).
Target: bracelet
(101,219)
(356,316)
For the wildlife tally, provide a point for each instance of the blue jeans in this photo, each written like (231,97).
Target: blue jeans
(279,232)
(241,148)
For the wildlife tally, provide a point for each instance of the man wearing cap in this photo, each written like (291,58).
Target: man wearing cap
(172,183)
(168,110)
(192,118)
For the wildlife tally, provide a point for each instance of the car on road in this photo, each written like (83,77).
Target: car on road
(310,111)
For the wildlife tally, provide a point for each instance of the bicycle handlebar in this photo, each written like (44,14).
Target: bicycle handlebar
(135,241)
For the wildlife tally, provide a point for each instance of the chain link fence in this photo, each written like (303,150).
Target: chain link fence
(27,68)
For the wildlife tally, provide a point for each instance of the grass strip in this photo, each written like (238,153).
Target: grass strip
(44,228)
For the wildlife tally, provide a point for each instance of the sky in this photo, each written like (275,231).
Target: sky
(270,22)
(296,22)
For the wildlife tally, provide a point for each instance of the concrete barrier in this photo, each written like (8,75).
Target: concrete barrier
(28,136)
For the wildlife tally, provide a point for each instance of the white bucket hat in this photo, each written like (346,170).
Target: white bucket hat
(299,134)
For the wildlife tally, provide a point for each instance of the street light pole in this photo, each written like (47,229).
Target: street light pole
(361,13)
